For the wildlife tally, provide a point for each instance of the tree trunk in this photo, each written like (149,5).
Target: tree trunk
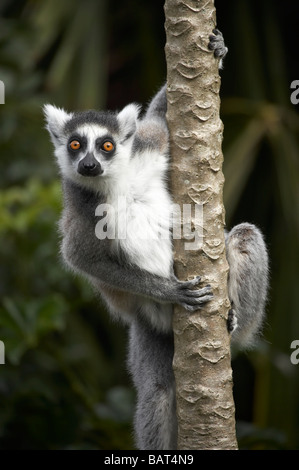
(205,406)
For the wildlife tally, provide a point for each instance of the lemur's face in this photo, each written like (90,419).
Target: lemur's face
(92,145)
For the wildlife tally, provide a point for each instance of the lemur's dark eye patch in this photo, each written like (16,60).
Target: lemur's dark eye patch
(106,145)
(76,144)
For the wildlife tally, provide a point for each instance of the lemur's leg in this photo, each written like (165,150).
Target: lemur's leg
(150,364)
(247,283)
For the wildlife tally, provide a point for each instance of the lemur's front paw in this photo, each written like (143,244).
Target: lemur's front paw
(217,45)
(192,299)
(232,322)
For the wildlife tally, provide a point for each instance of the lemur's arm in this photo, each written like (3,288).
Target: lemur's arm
(136,280)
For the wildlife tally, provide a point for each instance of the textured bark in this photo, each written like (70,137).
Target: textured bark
(205,407)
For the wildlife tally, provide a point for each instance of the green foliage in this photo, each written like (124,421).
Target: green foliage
(64,384)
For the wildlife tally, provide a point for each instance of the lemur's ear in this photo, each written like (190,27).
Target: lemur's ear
(127,119)
(56,119)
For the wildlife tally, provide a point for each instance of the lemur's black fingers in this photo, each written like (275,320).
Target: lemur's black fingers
(195,301)
(197,306)
(214,41)
(198,293)
(212,44)
(189,284)
(217,36)
(217,32)
(191,298)
(216,44)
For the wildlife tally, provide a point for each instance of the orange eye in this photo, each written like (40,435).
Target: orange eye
(75,145)
(108,146)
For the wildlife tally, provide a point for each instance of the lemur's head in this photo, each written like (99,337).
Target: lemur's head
(92,145)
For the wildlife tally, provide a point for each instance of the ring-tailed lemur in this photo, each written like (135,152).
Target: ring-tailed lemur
(113,166)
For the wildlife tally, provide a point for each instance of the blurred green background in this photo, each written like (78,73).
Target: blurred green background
(64,384)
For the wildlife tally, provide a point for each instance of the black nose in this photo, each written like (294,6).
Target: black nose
(89,166)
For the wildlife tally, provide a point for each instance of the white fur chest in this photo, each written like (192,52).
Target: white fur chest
(139,213)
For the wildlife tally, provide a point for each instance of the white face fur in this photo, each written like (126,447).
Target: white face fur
(92,147)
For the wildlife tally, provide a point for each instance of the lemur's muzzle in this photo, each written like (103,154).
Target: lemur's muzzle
(89,166)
